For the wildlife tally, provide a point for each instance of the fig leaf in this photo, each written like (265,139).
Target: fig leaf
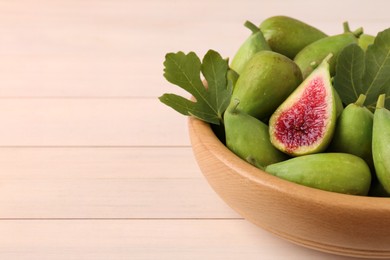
(377,74)
(368,73)
(184,70)
(348,81)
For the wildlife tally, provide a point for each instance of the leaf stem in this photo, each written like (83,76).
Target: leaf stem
(251,26)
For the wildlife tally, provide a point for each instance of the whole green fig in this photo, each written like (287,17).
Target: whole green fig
(287,35)
(381,143)
(266,81)
(252,45)
(353,133)
(248,138)
(365,40)
(312,55)
(336,172)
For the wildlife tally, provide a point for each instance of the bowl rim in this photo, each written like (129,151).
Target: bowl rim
(203,133)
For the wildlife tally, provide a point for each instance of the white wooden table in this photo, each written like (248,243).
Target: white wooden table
(92,165)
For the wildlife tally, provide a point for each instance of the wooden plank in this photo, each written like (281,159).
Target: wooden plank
(116,48)
(96,50)
(63,193)
(110,198)
(145,239)
(90,122)
(105,183)
(85,163)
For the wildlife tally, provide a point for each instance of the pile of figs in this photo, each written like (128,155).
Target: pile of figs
(286,118)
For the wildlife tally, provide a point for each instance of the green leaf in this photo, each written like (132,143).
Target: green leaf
(377,75)
(348,81)
(186,107)
(184,70)
(215,69)
(368,73)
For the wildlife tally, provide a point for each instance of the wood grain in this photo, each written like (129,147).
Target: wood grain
(85,163)
(144,239)
(92,165)
(90,122)
(105,183)
(106,48)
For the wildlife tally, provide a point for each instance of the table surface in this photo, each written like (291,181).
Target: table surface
(92,165)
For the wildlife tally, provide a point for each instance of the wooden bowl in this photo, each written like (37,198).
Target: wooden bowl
(336,223)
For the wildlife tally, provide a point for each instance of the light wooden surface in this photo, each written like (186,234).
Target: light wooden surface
(92,166)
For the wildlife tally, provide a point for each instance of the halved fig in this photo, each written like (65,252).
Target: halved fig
(304,123)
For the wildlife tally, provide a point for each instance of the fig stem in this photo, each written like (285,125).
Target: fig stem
(346,27)
(327,58)
(233,106)
(360,101)
(251,27)
(381,101)
(359,31)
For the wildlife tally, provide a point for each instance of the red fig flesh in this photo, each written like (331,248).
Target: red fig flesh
(304,123)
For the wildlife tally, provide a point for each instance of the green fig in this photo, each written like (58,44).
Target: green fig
(252,45)
(288,36)
(304,123)
(365,40)
(381,143)
(336,172)
(267,80)
(339,103)
(312,55)
(248,138)
(353,133)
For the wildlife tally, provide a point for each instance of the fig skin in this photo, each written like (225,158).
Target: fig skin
(297,120)
(365,40)
(339,103)
(266,81)
(335,172)
(288,36)
(353,133)
(253,44)
(248,138)
(312,55)
(381,143)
